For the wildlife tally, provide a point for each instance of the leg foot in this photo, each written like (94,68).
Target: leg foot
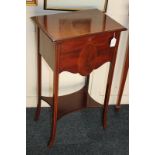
(55,109)
(51,142)
(37,113)
(117,108)
(53,130)
(105,117)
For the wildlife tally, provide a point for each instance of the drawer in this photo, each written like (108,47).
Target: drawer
(73,45)
(82,55)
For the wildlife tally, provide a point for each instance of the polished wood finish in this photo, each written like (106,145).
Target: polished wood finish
(75,57)
(78,42)
(64,26)
(123,77)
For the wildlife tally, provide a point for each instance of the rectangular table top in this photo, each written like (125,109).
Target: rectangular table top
(69,25)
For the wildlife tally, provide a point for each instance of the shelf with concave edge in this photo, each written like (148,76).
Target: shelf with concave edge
(73,102)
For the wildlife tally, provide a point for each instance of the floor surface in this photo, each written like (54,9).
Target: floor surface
(79,133)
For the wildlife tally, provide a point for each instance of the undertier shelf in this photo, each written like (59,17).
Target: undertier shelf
(72,102)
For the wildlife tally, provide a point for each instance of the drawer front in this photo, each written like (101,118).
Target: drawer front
(82,55)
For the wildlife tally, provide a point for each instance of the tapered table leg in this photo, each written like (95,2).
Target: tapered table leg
(109,82)
(37,114)
(123,78)
(107,96)
(55,102)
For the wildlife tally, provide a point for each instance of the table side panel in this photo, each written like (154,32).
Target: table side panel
(47,49)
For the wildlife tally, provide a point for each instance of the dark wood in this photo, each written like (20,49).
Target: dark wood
(109,82)
(63,26)
(75,58)
(78,42)
(86,93)
(55,97)
(37,114)
(123,77)
(72,102)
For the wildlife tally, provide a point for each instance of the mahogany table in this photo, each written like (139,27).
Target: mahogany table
(78,42)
